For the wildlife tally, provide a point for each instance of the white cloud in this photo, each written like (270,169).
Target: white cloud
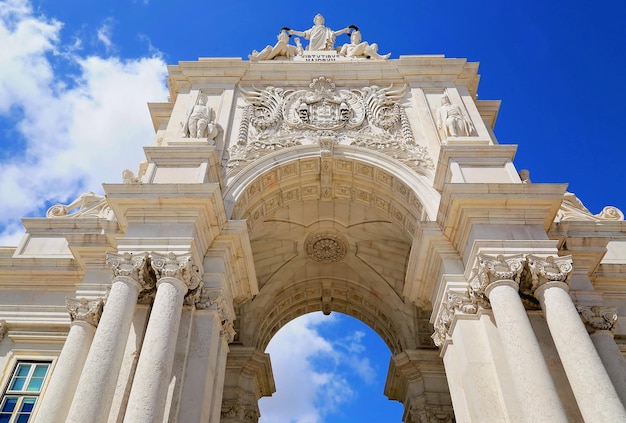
(313,374)
(105,32)
(70,139)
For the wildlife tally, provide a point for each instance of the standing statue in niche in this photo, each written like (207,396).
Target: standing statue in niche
(200,121)
(451,120)
(320,37)
(281,49)
(358,48)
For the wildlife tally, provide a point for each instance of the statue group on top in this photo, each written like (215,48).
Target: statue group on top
(321,38)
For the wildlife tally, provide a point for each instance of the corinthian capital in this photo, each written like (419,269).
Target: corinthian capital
(127,264)
(455,302)
(85,310)
(496,268)
(598,317)
(176,266)
(549,269)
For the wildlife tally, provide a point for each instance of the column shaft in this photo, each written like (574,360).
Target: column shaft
(531,376)
(96,386)
(152,377)
(613,360)
(56,402)
(592,387)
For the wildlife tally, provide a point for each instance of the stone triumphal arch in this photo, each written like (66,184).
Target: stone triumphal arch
(319,178)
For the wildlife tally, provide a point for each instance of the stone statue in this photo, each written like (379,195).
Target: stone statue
(319,36)
(451,120)
(357,48)
(200,121)
(281,49)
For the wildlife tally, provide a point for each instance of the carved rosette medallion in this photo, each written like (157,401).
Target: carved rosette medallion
(371,117)
(85,310)
(548,269)
(598,317)
(326,247)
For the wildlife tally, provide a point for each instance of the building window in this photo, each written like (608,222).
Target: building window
(22,392)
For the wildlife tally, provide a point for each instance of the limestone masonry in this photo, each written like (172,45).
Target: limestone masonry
(317,177)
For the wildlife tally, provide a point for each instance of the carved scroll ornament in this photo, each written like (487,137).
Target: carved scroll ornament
(86,205)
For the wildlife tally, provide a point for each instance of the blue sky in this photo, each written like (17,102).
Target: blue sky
(75,77)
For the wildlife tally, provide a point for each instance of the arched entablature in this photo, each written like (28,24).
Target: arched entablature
(393,320)
(347,173)
(332,231)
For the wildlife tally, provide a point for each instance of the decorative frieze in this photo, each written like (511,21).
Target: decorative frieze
(598,317)
(85,310)
(372,117)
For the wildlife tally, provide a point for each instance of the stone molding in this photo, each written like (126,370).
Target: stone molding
(598,317)
(84,310)
(523,270)
(3,329)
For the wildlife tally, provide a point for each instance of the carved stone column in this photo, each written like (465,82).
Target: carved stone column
(498,279)
(175,276)
(96,385)
(84,315)
(600,322)
(596,397)
(248,378)
(418,380)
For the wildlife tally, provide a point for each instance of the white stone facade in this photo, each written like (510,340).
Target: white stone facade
(353,184)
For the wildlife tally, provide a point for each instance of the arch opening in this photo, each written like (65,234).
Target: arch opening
(328,368)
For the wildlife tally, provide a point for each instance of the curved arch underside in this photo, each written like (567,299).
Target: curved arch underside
(332,234)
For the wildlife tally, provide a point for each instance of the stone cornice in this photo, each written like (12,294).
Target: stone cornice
(465,205)
(468,154)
